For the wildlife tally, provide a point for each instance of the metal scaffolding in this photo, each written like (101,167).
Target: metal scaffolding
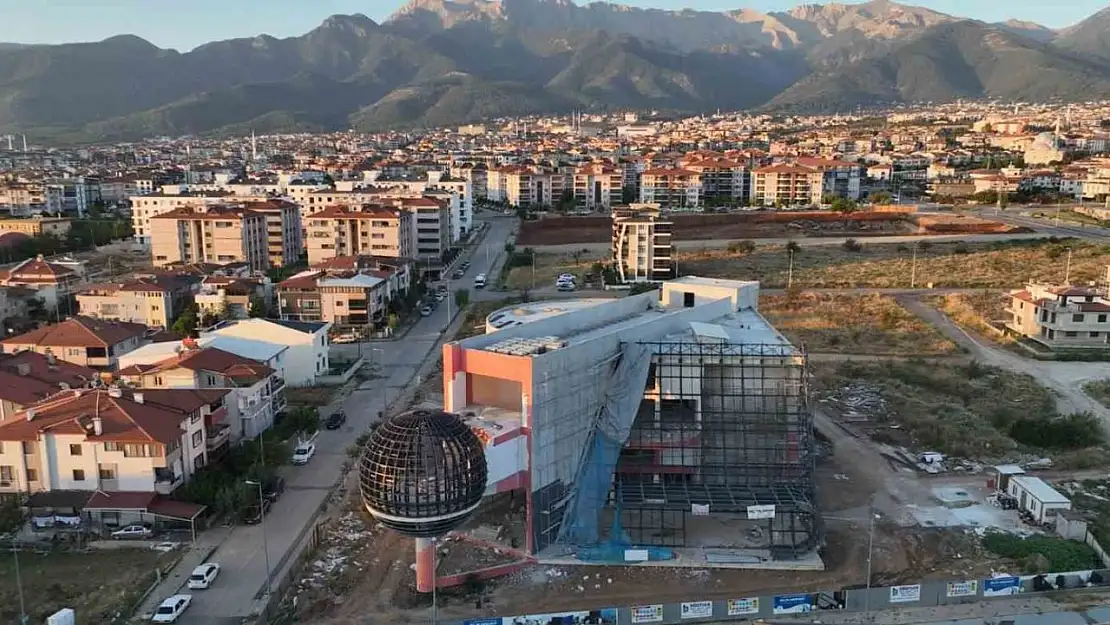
(721,427)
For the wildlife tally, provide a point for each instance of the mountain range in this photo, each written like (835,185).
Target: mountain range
(440,62)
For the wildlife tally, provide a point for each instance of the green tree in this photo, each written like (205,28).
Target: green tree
(741,247)
(880,197)
(792,247)
(843,206)
(462,298)
(258,307)
(186,323)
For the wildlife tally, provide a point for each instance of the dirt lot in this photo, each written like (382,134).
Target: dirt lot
(852,324)
(759,224)
(981,313)
(79,581)
(548,268)
(998,265)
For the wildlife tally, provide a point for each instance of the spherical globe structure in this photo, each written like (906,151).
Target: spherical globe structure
(423,473)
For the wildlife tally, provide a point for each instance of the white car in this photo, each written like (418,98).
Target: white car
(203,576)
(165,547)
(303,453)
(171,608)
(133,531)
(426,311)
(565,277)
(565,286)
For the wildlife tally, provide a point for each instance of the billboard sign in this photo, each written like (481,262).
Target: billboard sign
(794,604)
(905,594)
(697,609)
(740,607)
(647,613)
(606,616)
(761,512)
(967,588)
(1001,586)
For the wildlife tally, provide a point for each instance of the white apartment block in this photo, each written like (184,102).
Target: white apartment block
(1061,316)
(598,187)
(641,244)
(144,207)
(671,189)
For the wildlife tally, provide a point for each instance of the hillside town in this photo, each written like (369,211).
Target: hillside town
(201,334)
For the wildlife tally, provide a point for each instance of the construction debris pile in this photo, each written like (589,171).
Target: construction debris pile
(859,402)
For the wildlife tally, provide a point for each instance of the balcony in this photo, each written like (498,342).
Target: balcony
(276,383)
(165,482)
(217,437)
(278,403)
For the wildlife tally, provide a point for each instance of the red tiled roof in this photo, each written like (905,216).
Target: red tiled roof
(662,171)
(79,331)
(120,500)
(367,211)
(206,359)
(123,419)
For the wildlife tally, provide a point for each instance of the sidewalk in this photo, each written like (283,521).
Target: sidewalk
(196,554)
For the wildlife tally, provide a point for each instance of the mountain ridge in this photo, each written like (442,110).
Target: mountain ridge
(436,62)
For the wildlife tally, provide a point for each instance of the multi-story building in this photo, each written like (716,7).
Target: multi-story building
(284,243)
(598,187)
(37,226)
(84,341)
(22,199)
(136,301)
(368,230)
(229,297)
(462,204)
(671,189)
(525,186)
(839,178)
(723,181)
(641,244)
(145,207)
(431,229)
(258,391)
(108,441)
(28,377)
(787,185)
(347,291)
(1061,316)
(119,189)
(306,356)
(214,234)
(72,196)
(52,282)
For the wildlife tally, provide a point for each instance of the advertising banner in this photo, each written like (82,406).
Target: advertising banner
(761,512)
(794,604)
(740,607)
(968,588)
(606,616)
(483,621)
(647,613)
(697,609)
(1001,586)
(905,594)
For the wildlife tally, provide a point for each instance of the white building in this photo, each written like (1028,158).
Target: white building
(641,244)
(305,356)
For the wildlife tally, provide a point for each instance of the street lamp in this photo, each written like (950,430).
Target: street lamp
(265,547)
(385,385)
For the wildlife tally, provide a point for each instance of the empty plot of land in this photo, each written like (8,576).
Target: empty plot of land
(852,324)
(981,312)
(969,411)
(997,265)
(97,584)
(548,267)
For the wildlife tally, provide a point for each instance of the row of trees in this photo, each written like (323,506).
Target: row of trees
(84,234)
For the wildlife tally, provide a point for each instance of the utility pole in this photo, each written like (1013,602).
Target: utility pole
(790,270)
(23,618)
(870,553)
(1067,269)
(913,268)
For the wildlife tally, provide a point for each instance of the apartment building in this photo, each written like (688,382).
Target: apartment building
(22,198)
(38,226)
(72,196)
(598,187)
(228,297)
(81,340)
(723,181)
(215,234)
(842,178)
(641,244)
(1061,316)
(671,188)
(349,292)
(787,185)
(284,241)
(107,441)
(368,230)
(140,301)
(431,229)
(257,390)
(461,190)
(145,207)
(524,186)
(306,343)
(119,189)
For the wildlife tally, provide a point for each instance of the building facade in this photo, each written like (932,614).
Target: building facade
(641,244)
(218,234)
(369,230)
(284,241)
(671,189)
(1061,316)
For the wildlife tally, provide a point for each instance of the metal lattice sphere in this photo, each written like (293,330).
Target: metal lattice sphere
(422,473)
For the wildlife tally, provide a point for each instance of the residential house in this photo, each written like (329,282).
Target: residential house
(54,283)
(346,291)
(38,226)
(136,301)
(671,188)
(27,378)
(307,355)
(81,340)
(109,441)
(258,391)
(1061,316)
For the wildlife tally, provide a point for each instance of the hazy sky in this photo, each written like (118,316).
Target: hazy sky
(185,24)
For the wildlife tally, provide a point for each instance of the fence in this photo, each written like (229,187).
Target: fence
(925,594)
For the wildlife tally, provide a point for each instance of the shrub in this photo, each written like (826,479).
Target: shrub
(1062,555)
(741,247)
(852,245)
(1073,431)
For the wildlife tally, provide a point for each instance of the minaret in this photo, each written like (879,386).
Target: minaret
(24,143)
(254,147)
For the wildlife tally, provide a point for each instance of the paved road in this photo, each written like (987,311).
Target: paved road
(241,584)
(1023,216)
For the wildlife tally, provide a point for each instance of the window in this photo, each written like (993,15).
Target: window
(107,471)
(28,447)
(1094,335)
(158,381)
(32,475)
(78,475)
(1071,334)
(1102,318)
(6,473)
(198,438)
(1077,318)
(687,300)
(75,450)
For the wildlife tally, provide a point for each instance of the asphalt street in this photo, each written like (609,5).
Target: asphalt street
(241,585)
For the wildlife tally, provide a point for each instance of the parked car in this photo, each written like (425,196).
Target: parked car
(465,265)
(565,286)
(204,575)
(426,311)
(336,420)
(303,453)
(441,296)
(567,276)
(274,489)
(458,273)
(165,547)
(171,608)
(140,532)
(350,337)
(255,513)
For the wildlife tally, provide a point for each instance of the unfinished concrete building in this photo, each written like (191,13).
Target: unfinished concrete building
(671,427)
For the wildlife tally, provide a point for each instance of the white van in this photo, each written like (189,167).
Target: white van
(480,281)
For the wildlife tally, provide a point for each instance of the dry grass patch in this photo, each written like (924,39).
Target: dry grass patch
(997,265)
(1099,390)
(976,312)
(97,584)
(548,268)
(852,324)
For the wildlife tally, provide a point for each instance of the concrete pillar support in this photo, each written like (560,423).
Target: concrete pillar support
(425,565)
